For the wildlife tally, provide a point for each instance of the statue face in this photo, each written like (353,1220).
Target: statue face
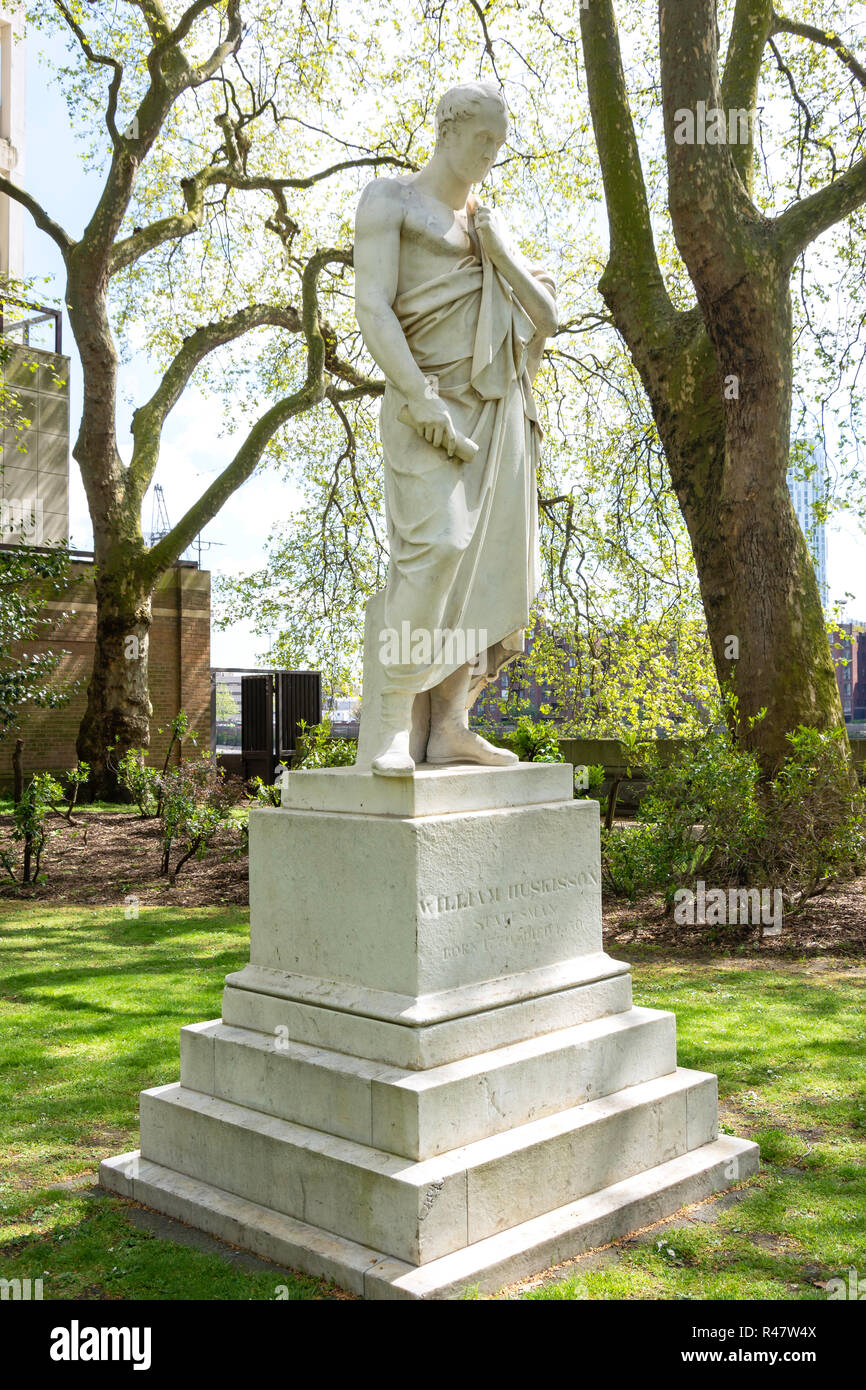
(473,141)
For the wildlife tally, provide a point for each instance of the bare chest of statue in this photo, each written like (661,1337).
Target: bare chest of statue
(433,238)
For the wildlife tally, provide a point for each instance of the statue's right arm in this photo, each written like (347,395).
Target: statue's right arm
(378,224)
(377,261)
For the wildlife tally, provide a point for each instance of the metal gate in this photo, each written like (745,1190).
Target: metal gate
(299,697)
(257,727)
(273,705)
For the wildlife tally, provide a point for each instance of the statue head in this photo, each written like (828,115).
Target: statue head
(471,126)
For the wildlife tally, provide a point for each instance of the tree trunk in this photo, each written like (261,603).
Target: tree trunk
(728,462)
(118,708)
(719,375)
(18,771)
(760,591)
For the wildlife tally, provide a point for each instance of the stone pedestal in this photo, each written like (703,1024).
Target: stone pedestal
(430,1076)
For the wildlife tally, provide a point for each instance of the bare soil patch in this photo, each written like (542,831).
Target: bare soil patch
(105,857)
(831,924)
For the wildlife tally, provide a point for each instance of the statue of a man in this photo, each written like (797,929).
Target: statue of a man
(456,320)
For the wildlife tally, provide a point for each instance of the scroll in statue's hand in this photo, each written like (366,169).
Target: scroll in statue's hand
(430,417)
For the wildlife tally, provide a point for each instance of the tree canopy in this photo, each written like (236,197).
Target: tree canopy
(234,136)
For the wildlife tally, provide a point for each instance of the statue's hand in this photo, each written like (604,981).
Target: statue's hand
(430,417)
(491,233)
(540,272)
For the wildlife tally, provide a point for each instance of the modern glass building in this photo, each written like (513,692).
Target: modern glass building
(808,489)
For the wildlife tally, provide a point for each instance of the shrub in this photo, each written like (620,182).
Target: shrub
(629,860)
(139,781)
(75,779)
(705,808)
(143,784)
(193,804)
(594,782)
(708,813)
(316,748)
(816,815)
(179,731)
(267,793)
(28,823)
(536,741)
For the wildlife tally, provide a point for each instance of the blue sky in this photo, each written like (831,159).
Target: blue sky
(192,451)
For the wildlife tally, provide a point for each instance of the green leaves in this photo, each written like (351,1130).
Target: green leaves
(535,741)
(709,813)
(29,821)
(316,748)
(194,804)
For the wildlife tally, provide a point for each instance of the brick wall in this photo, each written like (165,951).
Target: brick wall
(179,666)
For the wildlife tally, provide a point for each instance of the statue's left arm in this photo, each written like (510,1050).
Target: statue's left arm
(535,347)
(535,292)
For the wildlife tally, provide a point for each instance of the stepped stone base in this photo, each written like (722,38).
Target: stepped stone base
(430,1076)
(514,1254)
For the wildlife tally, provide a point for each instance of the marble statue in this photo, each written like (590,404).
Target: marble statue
(431,1077)
(456,319)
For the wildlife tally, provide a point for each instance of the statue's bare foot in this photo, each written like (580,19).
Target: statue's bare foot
(456,745)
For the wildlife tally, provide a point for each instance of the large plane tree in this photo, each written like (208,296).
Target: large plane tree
(191,122)
(718,373)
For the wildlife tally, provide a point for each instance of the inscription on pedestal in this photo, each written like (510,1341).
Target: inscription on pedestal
(504,893)
(531,911)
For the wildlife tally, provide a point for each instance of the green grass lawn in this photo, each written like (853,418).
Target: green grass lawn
(7,806)
(91,1005)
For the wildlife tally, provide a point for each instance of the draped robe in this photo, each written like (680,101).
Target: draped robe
(463,536)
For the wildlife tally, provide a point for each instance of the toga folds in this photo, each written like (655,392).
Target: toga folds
(463,536)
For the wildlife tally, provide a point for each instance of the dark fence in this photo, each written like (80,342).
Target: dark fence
(256,717)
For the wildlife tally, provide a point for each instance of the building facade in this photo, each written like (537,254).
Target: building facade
(12,115)
(849,657)
(34,464)
(808,495)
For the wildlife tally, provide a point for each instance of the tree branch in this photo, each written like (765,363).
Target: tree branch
(783,25)
(37,212)
(488,45)
(144,239)
(166,550)
(229,45)
(632,283)
(801,224)
(711,211)
(148,420)
(103,58)
(170,76)
(750,29)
